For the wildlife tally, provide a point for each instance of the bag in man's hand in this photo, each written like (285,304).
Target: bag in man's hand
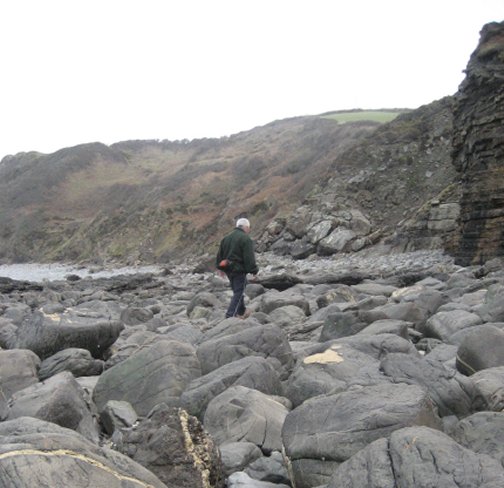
(225,265)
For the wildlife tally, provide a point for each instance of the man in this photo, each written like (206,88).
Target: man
(236,258)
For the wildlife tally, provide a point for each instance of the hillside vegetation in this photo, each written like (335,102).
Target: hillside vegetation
(154,201)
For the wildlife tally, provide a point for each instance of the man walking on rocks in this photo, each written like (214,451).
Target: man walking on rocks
(236,258)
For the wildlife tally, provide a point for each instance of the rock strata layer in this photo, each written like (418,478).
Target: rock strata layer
(478,150)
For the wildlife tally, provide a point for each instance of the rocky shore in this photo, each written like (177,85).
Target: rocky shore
(367,370)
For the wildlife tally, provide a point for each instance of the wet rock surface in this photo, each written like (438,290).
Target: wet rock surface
(323,378)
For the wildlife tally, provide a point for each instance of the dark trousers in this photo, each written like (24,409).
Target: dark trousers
(238,282)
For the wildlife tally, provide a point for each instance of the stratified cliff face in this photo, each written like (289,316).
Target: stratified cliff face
(478,150)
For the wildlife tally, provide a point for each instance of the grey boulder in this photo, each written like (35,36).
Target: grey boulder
(37,453)
(328,371)
(488,389)
(481,349)
(449,390)
(236,456)
(327,430)
(483,433)
(78,361)
(253,372)
(174,446)
(156,373)
(267,341)
(19,369)
(59,400)
(417,457)
(243,414)
(47,334)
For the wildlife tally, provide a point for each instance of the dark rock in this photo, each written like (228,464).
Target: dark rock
(332,428)
(483,433)
(174,446)
(205,300)
(278,282)
(417,457)
(492,309)
(253,372)
(488,389)
(46,335)
(236,456)
(273,300)
(408,312)
(301,249)
(481,349)
(477,153)
(117,415)
(449,390)
(243,480)
(19,369)
(343,278)
(7,334)
(379,345)
(243,414)
(253,290)
(388,326)
(136,315)
(263,340)
(78,361)
(443,325)
(60,400)
(269,468)
(341,324)
(169,366)
(326,372)
(8,285)
(37,453)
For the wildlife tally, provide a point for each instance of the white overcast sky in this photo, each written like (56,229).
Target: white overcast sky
(77,71)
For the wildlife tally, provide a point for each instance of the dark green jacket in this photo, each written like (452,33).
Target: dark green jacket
(239,249)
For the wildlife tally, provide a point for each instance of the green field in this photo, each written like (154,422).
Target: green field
(381,116)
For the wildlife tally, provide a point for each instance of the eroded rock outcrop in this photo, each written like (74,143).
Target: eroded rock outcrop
(478,150)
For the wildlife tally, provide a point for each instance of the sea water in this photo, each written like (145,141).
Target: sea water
(51,272)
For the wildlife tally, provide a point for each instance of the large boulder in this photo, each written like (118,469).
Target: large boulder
(59,400)
(19,369)
(482,432)
(417,457)
(379,345)
(341,324)
(328,371)
(38,453)
(442,325)
(253,372)
(267,341)
(449,390)
(492,309)
(276,299)
(325,431)
(78,361)
(173,445)
(47,334)
(156,373)
(488,389)
(481,349)
(244,414)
